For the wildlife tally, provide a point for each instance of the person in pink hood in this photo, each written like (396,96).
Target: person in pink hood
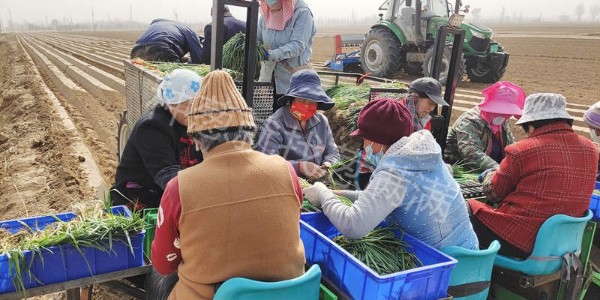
(478,137)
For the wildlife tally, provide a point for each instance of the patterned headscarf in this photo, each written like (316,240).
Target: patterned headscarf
(276,20)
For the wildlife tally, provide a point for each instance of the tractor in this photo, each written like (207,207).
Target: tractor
(404,38)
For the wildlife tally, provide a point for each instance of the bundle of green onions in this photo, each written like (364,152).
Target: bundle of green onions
(349,100)
(596,192)
(462,176)
(92,227)
(233,53)
(381,251)
(307,206)
(162,68)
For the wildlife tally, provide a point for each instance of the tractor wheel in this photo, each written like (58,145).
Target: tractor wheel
(413,68)
(122,134)
(380,53)
(486,72)
(428,64)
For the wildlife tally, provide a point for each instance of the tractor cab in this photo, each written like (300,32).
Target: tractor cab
(404,38)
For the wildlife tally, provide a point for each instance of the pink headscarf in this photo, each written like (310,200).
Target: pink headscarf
(276,19)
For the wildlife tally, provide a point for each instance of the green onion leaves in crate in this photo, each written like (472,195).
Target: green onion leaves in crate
(381,251)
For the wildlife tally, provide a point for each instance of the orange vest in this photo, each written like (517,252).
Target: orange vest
(239,218)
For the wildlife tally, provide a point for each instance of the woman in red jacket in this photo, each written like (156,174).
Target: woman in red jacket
(552,171)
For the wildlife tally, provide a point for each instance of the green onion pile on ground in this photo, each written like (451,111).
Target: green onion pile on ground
(92,227)
(381,251)
(233,53)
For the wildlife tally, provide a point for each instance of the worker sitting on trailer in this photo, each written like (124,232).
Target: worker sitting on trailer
(298,132)
(424,95)
(552,171)
(231,26)
(167,40)
(592,118)
(410,187)
(159,145)
(375,140)
(478,138)
(234,215)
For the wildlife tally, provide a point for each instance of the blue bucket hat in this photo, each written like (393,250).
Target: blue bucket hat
(306,84)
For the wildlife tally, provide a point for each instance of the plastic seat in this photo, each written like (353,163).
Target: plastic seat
(472,272)
(559,235)
(305,287)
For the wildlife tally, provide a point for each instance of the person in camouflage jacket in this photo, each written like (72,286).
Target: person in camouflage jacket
(469,142)
(479,136)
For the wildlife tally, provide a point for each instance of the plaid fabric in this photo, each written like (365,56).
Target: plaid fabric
(551,172)
(418,123)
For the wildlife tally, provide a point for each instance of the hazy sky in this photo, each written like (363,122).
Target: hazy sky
(38,11)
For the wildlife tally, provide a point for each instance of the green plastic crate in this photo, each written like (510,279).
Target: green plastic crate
(150,216)
(326,294)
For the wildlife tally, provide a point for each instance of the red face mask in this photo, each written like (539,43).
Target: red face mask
(303,111)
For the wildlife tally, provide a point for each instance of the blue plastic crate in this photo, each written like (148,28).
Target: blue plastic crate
(360,282)
(65,262)
(595,204)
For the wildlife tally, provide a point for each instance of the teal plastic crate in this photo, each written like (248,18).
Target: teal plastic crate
(65,262)
(595,204)
(360,282)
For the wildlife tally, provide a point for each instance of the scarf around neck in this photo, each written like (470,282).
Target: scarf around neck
(276,20)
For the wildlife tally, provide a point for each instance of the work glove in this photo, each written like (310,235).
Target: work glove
(483,174)
(316,193)
(265,52)
(311,170)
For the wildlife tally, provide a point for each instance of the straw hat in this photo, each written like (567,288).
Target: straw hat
(219,105)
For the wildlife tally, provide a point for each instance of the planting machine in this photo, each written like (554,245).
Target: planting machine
(404,38)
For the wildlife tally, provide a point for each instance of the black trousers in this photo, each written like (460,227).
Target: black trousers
(486,237)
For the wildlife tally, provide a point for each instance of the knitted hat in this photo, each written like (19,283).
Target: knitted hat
(178,86)
(306,84)
(503,98)
(384,121)
(544,106)
(592,115)
(219,105)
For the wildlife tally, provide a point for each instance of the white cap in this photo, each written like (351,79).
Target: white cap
(179,86)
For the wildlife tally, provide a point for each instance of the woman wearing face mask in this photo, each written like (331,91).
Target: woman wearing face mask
(479,136)
(286,29)
(592,118)
(375,116)
(298,132)
(410,187)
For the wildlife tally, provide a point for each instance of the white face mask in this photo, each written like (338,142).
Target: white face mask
(594,136)
(498,120)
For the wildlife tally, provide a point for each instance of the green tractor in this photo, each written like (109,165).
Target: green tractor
(404,38)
